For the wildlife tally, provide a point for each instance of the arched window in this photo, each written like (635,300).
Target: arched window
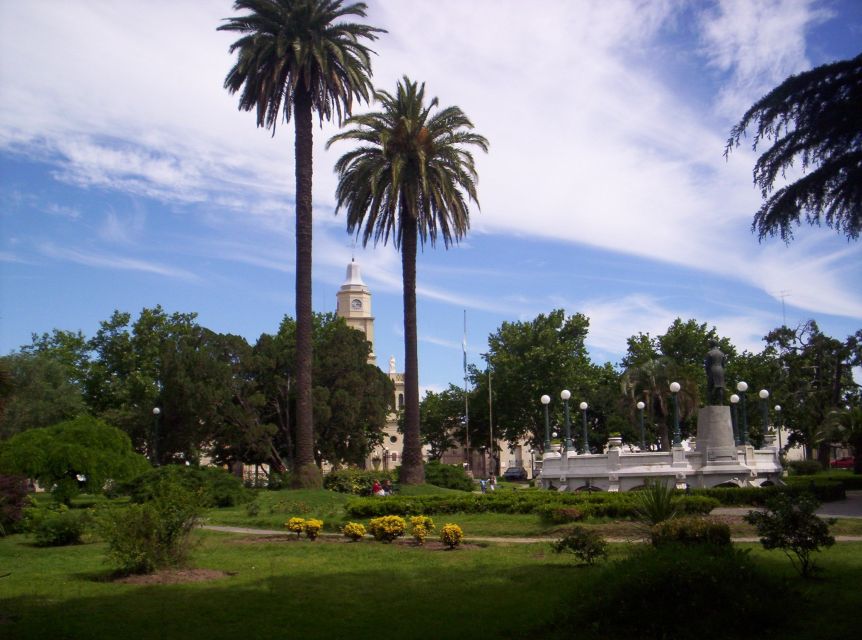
(400,400)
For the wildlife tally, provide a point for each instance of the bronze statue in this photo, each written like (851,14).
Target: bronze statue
(714,365)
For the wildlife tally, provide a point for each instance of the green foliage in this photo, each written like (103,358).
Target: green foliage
(824,488)
(449,476)
(655,503)
(676,592)
(355,481)
(790,524)
(586,545)
(144,537)
(216,487)
(440,421)
(61,455)
(387,528)
(804,467)
(57,525)
(544,503)
(690,530)
(811,120)
(13,499)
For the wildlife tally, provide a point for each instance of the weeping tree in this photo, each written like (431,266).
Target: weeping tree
(296,57)
(410,179)
(813,119)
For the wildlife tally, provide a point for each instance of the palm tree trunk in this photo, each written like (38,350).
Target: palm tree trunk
(412,470)
(306,474)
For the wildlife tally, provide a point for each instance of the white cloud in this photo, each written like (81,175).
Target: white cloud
(108,261)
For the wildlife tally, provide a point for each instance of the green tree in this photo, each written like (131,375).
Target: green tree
(295,57)
(441,417)
(40,393)
(814,120)
(541,356)
(84,452)
(411,178)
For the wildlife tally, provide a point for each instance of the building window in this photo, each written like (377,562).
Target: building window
(394,456)
(393,439)
(400,400)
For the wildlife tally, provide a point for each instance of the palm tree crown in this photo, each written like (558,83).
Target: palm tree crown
(410,167)
(292,46)
(411,178)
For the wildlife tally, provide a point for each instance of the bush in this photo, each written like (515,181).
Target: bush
(448,476)
(790,524)
(296,525)
(690,530)
(144,537)
(804,467)
(355,481)
(387,528)
(451,535)
(57,525)
(354,531)
(13,499)
(676,592)
(561,515)
(587,546)
(312,528)
(421,527)
(655,503)
(217,487)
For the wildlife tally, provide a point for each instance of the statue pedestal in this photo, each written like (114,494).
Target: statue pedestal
(715,435)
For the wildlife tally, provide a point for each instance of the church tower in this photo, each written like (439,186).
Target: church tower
(354,305)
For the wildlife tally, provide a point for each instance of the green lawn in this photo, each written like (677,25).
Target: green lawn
(300,589)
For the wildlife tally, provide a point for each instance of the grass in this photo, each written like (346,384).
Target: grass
(362,590)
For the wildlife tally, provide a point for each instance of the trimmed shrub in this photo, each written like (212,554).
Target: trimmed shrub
(296,525)
(216,487)
(312,528)
(387,528)
(448,476)
(144,537)
(804,467)
(675,593)
(586,545)
(57,525)
(354,531)
(13,499)
(421,526)
(690,530)
(451,535)
(560,515)
(355,481)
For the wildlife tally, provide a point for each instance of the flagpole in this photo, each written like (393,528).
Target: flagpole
(466,399)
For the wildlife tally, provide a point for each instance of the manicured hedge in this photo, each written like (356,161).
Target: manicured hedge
(611,505)
(823,490)
(356,481)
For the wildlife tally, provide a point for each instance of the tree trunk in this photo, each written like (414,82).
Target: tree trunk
(306,474)
(412,469)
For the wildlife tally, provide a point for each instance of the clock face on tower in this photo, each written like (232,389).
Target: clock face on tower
(356,304)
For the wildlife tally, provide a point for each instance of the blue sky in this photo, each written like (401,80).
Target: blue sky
(128,178)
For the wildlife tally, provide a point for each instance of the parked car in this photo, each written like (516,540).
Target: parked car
(515,473)
(843,463)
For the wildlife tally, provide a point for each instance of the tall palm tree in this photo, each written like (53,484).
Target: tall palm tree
(411,178)
(295,58)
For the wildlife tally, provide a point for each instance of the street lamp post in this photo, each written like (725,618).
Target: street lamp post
(778,424)
(546,400)
(734,400)
(763,394)
(584,406)
(640,406)
(742,387)
(156,412)
(565,394)
(677,435)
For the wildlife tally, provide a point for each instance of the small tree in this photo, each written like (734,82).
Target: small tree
(790,524)
(587,546)
(81,453)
